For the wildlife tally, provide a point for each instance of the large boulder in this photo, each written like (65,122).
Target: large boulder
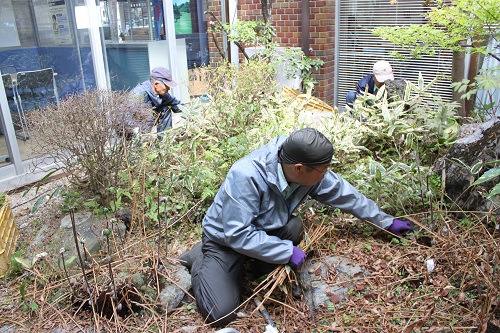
(89,229)
(477,143)
(319,288)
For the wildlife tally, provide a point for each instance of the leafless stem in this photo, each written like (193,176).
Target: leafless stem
(73,223)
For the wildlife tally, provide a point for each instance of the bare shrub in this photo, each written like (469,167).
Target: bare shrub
(87,135)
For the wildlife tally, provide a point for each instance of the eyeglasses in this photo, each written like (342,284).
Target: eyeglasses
(325,170)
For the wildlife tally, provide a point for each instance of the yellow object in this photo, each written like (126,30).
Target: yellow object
(313,102)
(8,237)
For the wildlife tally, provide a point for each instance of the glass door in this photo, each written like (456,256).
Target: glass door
(43,57)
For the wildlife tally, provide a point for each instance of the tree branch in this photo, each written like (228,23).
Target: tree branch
(219,23)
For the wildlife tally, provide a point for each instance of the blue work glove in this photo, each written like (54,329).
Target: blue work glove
(297,258)
(399,226)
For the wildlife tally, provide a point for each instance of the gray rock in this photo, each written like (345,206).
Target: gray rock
(315,277)
(478,143)
(173,293)
(8,329)
(88,228)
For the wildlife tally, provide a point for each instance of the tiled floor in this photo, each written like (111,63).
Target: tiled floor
(25,148)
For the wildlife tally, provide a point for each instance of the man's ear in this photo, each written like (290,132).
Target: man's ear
(299,168)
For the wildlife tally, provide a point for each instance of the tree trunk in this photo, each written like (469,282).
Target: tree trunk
(473,68)
(457,75)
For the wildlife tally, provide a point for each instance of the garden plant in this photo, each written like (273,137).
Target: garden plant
(386,147)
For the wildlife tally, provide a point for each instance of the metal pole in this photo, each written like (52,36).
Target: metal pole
(336,55)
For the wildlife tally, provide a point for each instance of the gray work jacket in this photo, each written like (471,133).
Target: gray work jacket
(249,203)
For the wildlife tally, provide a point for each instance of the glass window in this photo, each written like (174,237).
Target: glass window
(43,57)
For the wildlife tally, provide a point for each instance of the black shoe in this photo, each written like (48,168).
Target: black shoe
(188,258)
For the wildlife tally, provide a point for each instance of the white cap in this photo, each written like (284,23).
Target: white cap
(383,71)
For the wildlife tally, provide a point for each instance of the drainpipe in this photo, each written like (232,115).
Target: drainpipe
(173,62)
(336,52)
(305,27)
(8,131)
(96,44)
(232,17)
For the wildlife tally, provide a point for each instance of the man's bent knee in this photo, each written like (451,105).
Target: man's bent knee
(218,316)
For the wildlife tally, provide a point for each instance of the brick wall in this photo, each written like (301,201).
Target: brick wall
(214,6)
(286,16)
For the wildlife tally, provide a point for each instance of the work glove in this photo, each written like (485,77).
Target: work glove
(297,258)
(399,226)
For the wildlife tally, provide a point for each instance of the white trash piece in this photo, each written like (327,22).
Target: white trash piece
(430,265)
(271,329)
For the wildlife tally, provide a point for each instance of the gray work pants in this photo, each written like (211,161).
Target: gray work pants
(217,275)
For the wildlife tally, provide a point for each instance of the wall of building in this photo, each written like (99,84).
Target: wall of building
(286,16)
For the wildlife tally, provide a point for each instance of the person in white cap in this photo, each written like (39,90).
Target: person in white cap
(382,71)
(155,92)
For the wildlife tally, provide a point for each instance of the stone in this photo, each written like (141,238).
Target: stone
(88,227)
(173,292)
(314,280)
(477,143)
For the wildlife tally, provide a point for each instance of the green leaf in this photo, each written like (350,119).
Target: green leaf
(70,260)
(487,176)
(331,306)
(34,306)
(23,262)
(495,191)
(476,167)
(22,290)
(37,204)
(41,181)
(56,192)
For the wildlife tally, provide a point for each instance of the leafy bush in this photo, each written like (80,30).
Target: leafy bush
(180,174)
(385,146)
(388,145)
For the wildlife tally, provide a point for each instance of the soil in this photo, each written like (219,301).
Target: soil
(400,293)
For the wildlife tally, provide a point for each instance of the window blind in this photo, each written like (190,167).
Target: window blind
(359,48)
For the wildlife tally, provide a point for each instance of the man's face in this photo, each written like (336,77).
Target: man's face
(160,88)
(311,175)
(378,84)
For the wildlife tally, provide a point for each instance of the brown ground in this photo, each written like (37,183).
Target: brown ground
(400,295)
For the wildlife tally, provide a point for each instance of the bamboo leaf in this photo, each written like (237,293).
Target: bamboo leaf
(476,167)
(488,175)
(43,179)
(70,260)
(495,191)
(56,192)
(37,204)
(23,262)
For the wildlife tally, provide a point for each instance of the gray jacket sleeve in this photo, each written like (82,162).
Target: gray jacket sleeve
(336,192)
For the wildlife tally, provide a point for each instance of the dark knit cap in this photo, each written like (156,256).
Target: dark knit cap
(307,146)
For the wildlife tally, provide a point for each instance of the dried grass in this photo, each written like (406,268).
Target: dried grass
(399,295)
